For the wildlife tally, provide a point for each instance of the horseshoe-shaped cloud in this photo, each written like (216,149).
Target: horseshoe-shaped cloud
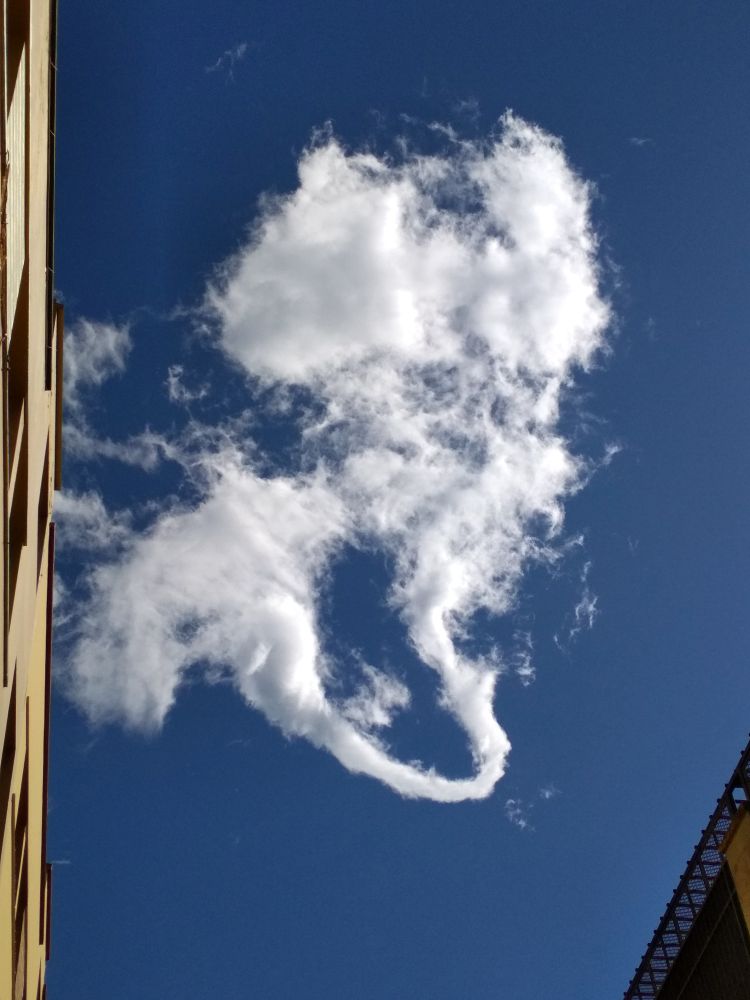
(435,309)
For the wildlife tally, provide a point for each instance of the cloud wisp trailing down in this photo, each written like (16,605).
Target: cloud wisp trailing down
(228,60)
(83,522)
(435,309)
(584,614)
(94,353)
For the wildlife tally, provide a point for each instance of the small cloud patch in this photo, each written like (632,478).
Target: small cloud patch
(517,813)
(228,60)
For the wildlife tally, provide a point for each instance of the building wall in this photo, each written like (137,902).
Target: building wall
(714,961)
(31,366)
(736,849)
(701,947)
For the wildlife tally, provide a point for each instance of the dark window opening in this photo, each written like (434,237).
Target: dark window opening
(17,26)
(51,195)
(18,524)
(18,367)
(8,758)
(42,514)
(18,433)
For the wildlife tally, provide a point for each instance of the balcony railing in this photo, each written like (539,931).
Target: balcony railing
(691,893)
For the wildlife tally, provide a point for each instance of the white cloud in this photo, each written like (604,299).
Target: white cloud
(517,813)
(145,450)
(436,309)
(93,353)
(63,604)
(178,392)
(468,108)
(522,658)
(585,612)
(228,60)
(377,701)
(83,522)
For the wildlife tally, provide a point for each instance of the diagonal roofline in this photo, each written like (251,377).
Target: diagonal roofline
(691,893)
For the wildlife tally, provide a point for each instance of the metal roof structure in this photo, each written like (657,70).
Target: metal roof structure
(687,901)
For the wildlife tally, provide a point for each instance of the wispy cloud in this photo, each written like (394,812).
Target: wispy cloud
(640,141)
(178,391)
(94,352)
(145,450)
(585,612)
(83,522)
(522,658)
(468,108)
(379,698)
(517,813)
(436,309)
(228,60)
(548,792)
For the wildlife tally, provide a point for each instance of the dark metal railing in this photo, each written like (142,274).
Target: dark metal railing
(691,893)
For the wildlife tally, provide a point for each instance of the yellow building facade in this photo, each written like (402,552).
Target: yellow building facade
(701,947)
(30,417)
(736,849)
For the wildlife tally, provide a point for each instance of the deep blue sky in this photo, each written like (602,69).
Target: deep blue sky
(220,858)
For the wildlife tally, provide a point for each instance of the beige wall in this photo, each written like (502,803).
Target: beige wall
(30,331)
(736,849)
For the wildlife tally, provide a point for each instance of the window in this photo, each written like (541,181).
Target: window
(42,513)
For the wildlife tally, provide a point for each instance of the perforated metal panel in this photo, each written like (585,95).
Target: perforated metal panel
(715,960)
(675,931)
